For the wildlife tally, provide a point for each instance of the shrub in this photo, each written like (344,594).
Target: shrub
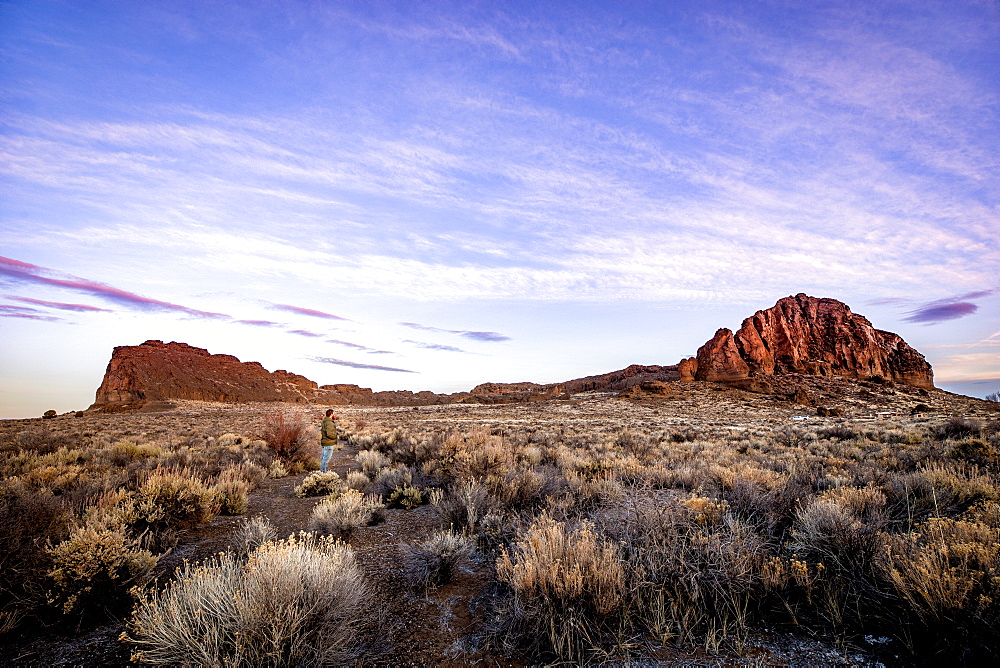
(230,439)
(233,496)
(948,572)
(289,440)
(465,506)
(433,562)
(251,534)
(567,588)
(29,517)
(277,469)
(524,489)
(406,496)
(388,480)
(371,461)
(830,533)
(691,571)
(940,489)
(975,450)
(341,515)
(839,432)
(319,483)
(300,601)
(357,480)
(958,427)
(183,499)
(93,569)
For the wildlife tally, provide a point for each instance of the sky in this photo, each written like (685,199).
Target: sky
(430,195)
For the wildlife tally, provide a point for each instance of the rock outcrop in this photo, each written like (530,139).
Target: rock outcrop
(814,336)
(157,371)
(648,390)
(614,381)
(687,369)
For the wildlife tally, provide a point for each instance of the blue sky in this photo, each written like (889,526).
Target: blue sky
(432,195)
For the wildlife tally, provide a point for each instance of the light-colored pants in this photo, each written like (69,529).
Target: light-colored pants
(325,457)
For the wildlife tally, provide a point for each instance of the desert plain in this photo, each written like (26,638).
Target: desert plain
(685,524)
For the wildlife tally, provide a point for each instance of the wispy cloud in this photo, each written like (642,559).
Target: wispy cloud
(307,311)
(304,332)
(358,365)
(84,308)
(10,311)
(477,336)
(435,346)
(30,273)
(358,346)
(259,323)
(348,344)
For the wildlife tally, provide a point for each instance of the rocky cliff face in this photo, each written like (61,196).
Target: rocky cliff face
(815,336)
(157,371)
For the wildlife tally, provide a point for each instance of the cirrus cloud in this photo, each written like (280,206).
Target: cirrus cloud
(307,311)
(85,308)
(358,365)
(31,273)
(477,336)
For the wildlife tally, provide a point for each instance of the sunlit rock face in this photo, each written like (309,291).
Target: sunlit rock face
(155,371)
(811,335)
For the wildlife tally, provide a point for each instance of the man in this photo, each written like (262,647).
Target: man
(328,438)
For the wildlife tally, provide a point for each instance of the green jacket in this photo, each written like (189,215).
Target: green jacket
(328,432)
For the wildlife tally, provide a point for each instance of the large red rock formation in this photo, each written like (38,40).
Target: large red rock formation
(157,371)
(810,335)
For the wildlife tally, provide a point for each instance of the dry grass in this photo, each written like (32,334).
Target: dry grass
(568,587)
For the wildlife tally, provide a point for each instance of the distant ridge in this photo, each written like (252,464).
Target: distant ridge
(798,335)
(155,371)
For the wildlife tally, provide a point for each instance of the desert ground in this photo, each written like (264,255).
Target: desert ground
(699,526)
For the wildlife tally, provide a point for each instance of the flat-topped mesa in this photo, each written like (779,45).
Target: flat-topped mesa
(815,336)
(155,371)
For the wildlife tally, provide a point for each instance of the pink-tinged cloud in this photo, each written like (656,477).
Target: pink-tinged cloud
(30,273)
(357,365)
(308,311)
(60,305)
(348,344)
(11,311)
(302,332)
(258,323)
